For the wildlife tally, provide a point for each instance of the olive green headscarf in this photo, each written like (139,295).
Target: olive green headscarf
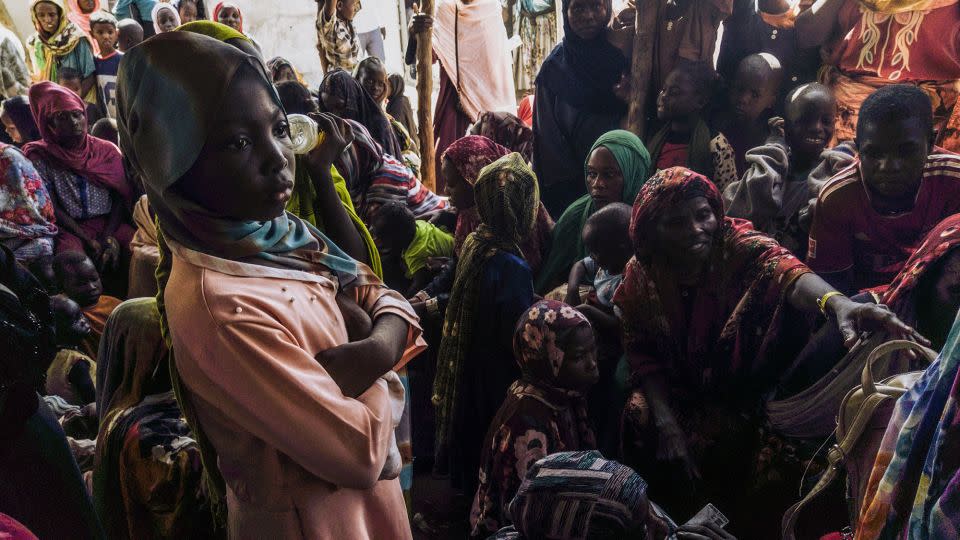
(567,247)
(508,198)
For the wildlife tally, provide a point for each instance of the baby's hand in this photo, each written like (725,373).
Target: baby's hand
(358,322)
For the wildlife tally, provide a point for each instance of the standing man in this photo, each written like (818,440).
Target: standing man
(371,30)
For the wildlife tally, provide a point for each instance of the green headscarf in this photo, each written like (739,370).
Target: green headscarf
(508,198)
(567,246)
(302,205)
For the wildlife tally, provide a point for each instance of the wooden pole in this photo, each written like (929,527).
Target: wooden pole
(641,69)
(428,167)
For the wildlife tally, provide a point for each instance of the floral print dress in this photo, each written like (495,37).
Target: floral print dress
(536,419)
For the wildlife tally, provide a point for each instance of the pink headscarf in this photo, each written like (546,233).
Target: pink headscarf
(82,20)
(472,153)
(95,159)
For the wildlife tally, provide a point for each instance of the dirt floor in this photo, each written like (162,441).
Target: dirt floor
(439,511)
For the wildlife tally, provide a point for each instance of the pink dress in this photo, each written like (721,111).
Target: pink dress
(299,458)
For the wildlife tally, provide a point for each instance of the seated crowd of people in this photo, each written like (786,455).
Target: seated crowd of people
(583,333)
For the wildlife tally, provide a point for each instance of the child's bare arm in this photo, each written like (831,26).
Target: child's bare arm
(577,273)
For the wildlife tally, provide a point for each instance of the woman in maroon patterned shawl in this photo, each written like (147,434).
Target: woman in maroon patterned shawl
(703,302)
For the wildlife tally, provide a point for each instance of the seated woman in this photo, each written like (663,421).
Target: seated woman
(219,194)
(18,120)
(147,477)
(342,95)
(545,410)
(493,286)
(26,210)
(703,302)
(84,175)
(912,488)
(616,167)
(375,177)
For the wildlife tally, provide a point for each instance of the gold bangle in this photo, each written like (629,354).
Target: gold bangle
(822,301)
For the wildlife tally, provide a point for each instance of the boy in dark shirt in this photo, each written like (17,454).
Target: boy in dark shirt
(870,218)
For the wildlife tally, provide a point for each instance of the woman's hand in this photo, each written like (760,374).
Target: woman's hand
(855,319)
(337,135)
(94,249)
(623,88)
(673,448)
(110,257)
(421,21)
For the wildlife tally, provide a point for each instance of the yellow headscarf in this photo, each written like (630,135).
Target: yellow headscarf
(61,43)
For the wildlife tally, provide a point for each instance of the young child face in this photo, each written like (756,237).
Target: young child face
(82,284)
(106,37)
(71,326)
(374,81)
(579,370)
(48,15)
(230,16)
(166,20)
(388,237)
(348,9)
(11,129)
(247,163)
(609,249)
(604,178)
(678,99)
(754,92)
(72,83)
(188,12)
(588,18)
(809,122)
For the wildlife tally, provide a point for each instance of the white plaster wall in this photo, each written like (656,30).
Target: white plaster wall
(282,27)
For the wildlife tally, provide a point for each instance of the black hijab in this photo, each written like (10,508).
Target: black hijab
(360,107)
(18,109)
(582,73)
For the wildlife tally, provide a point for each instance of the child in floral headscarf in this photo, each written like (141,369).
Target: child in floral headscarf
(544,412)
